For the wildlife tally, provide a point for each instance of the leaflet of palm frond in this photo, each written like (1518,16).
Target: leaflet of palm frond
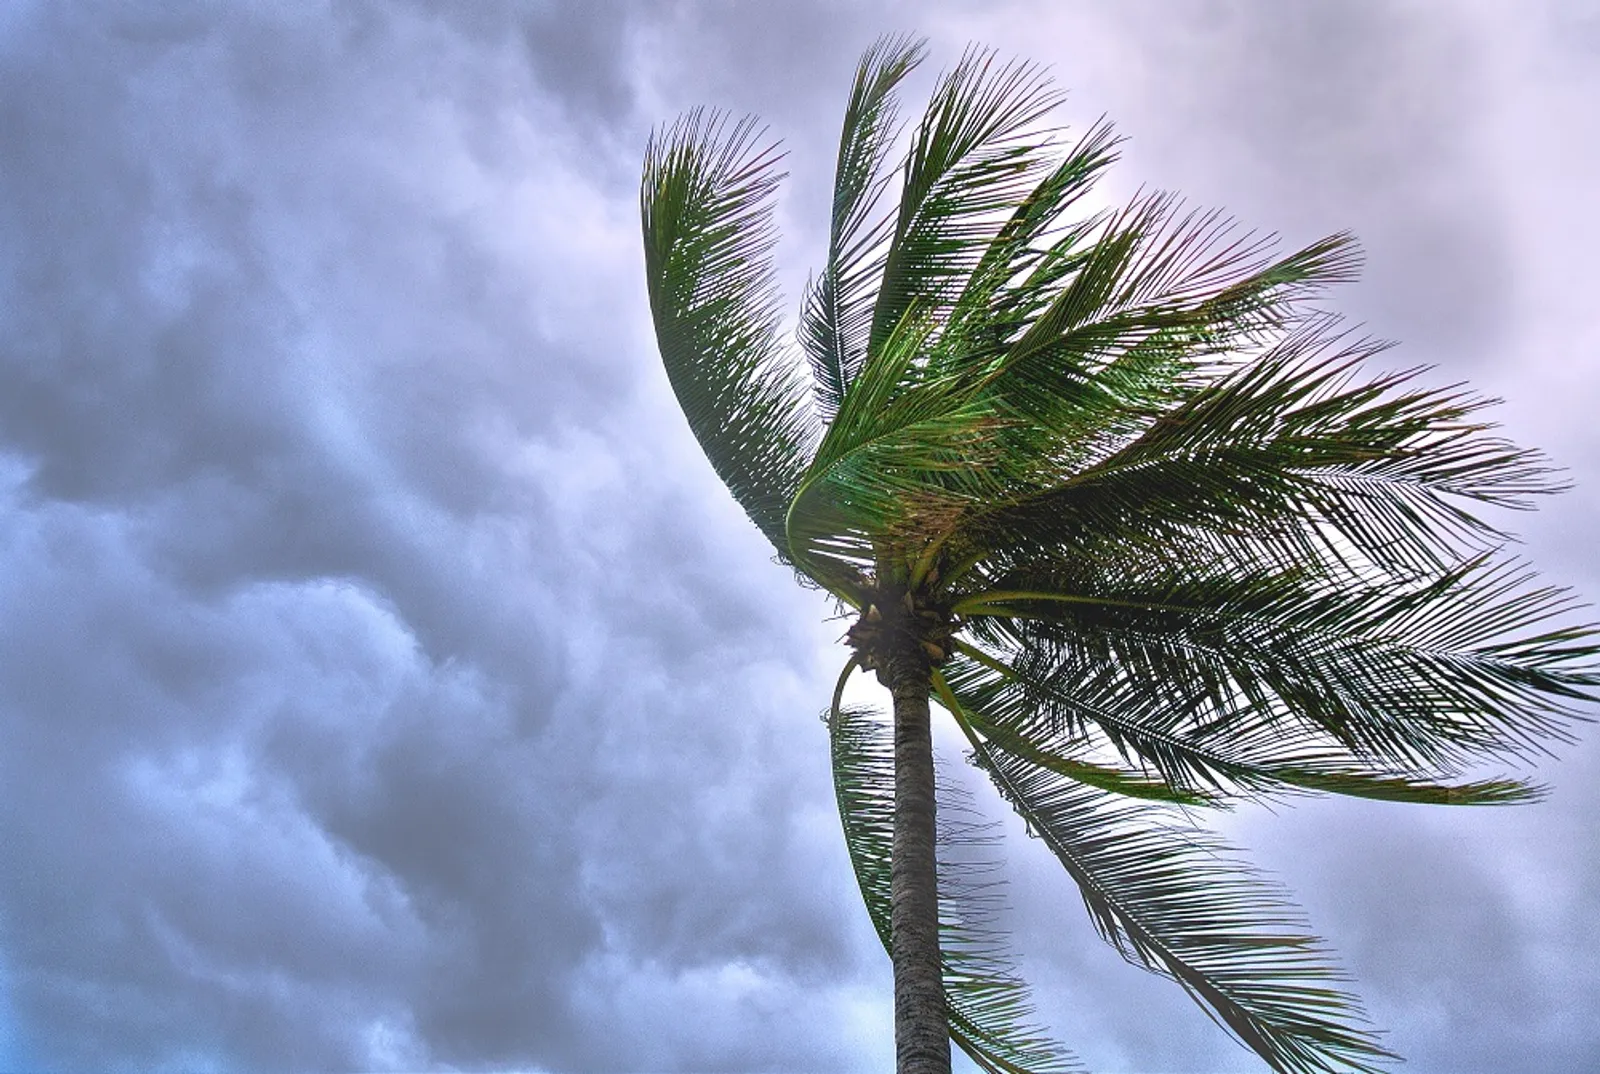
(837,316)
(1175,900)
(990,1011)
(1054,713)
(1295,447)
(975,155)
(706,205)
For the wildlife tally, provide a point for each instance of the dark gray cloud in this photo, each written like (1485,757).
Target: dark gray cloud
(321,444)
(387,683)
(578,57)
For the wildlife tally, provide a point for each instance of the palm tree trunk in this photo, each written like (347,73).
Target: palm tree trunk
(921,1024)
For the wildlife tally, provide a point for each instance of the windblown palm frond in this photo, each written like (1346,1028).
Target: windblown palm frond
(1291,451)
(837,316)
(1428,677)
(1116,489)
(1172,898)
(1050,716)
(706,203)
(975,156)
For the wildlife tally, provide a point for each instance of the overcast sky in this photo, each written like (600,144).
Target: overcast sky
(388,684)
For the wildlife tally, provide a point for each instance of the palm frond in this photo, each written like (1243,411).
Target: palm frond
(1297,454)
(991,1013)
(903,446)
(1057,752)
(975,155)
(1190,282)
(837,316)
(1077,712)
(1174,900)
(1473,664)
(706,205)
(1007,284)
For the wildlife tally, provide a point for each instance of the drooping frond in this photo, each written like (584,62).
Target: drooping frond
(706,204)
(991,1014)
(837,316)
(1175,900)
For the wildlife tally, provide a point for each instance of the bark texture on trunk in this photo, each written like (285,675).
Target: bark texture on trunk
(921,1024)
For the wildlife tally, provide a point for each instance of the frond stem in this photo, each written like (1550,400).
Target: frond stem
(994,603)
(838,687)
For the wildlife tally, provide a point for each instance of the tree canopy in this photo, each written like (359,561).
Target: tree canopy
(1166,535)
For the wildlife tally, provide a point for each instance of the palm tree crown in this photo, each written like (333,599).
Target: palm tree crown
(1113,491)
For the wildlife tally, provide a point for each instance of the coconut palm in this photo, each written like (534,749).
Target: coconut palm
(1110,488)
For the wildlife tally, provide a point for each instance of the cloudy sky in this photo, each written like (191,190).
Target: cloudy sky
(387,684)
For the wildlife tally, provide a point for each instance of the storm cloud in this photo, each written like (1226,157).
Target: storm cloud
(387,682)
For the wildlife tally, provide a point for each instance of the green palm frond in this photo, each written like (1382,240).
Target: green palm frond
(976,154)
(706,204)
(831,523)
(903,443)
(991,1013)
(1173,899)
(1429,677)
(1293,455)
(1036,716)
(1058,752)
(837,316)
(1188,278)
(1013,277)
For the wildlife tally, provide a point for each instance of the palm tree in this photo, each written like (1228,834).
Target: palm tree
(1114,491)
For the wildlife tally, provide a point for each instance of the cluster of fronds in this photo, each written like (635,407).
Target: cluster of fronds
(1193,549)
